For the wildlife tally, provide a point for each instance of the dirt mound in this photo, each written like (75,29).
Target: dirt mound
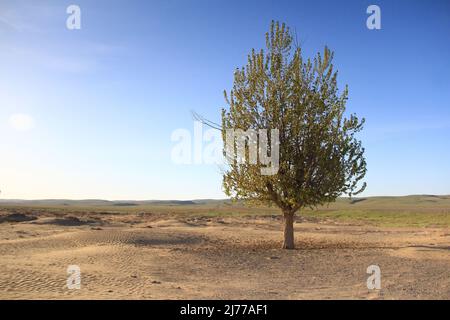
(66,221)
(16,217)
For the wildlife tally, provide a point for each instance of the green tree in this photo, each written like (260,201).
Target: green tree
(320,158)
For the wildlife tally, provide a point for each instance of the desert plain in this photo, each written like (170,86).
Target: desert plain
(213,249)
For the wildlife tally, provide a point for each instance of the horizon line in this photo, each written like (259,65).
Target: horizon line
(208,199)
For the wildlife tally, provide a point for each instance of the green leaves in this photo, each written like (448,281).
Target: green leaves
(320,158)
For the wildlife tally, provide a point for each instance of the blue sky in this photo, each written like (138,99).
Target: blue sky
(89,113)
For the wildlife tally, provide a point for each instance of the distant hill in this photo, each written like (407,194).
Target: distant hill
(382,201)
(99,202)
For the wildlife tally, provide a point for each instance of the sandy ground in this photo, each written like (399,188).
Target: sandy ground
(171,257)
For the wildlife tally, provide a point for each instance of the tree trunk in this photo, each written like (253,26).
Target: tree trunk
(288,230)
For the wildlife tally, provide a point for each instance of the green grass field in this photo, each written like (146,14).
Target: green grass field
(407,211)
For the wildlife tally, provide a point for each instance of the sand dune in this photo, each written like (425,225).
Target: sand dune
(135,257)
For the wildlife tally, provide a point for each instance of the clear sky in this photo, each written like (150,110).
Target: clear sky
(89,113)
